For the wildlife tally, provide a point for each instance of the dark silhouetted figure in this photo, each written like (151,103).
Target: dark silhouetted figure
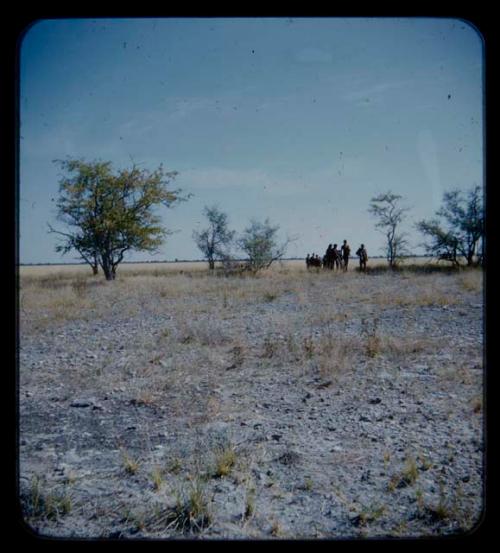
(328,258)
(314,260)
(363,257)
(345,251)
(335,257)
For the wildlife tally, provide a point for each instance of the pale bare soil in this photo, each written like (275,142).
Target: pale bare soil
(294,404)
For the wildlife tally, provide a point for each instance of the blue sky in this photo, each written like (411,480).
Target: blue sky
(300,120)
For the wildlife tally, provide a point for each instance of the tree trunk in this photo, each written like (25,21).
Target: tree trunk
(107,269)
(95,265)
(211,264)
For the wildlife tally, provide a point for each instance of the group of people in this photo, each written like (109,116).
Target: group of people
(337,259)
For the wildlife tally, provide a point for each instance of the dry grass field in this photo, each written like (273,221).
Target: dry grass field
(41,271)
(172,403)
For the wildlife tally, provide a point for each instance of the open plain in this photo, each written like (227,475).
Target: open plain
(172,403)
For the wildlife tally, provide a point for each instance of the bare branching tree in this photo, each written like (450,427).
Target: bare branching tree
(260,244)
(216,240)
(390,214)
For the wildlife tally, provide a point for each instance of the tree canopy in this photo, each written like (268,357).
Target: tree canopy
(260,244)
(109,213)
(214,241)
(458,228)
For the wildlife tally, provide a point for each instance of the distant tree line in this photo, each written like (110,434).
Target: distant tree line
(258,242)
(456,233)
(108,213)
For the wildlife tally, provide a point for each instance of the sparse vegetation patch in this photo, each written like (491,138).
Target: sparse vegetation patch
(285,404)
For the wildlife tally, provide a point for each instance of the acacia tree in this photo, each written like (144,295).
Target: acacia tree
(458,228)
(443,244)
(214,241)
(260,244)
(108,213)
(390,214)
(82,244)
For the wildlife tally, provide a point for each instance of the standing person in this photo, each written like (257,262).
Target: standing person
(363,257)
(308,261)
(327,260)
(346,252)
(335,257)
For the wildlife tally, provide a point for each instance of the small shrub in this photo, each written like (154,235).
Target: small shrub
(144,397)
(157,478)
(130,465)
(57,505)
(276,529)
(440,511)
(175,465)
(407,477)
(308,484)
(249,503)
(225,458)
(270,348)
(419,496)
(238,355)
(425,464)
(52,506)
(372,341)
(79,286)
(308,346)
(449,508)
(373,346)
(387,458)
(191,513)
(367,515)
(35,498)
(165,333)
(410,472)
